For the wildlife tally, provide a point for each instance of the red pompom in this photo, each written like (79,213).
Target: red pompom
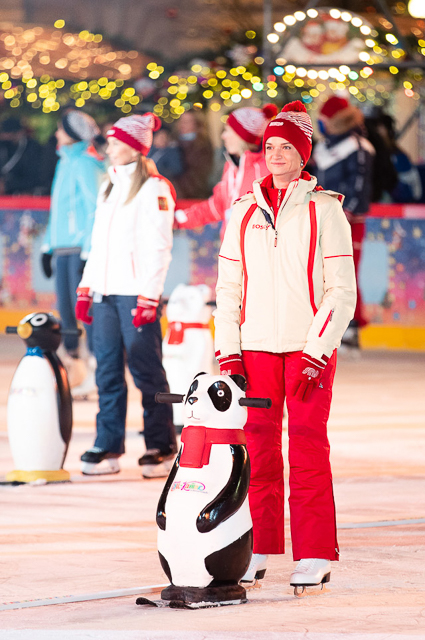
(157,122)
(270,111)
(295,106)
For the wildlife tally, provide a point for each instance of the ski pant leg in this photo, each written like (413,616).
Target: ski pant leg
(311,500)
(110,375)
(144,358)
(66,299)
(264,442)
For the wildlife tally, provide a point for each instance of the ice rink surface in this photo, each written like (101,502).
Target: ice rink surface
(98,534)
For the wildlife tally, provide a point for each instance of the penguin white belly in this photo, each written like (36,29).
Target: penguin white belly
(33,417)
(183,546)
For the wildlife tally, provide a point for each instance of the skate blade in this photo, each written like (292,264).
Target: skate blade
(310,590)
(106,467)
(249,585)
(161,470)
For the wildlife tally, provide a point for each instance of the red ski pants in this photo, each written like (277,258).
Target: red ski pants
(358,230)
(311,502)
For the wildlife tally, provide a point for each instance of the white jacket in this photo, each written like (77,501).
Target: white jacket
(286,289)
(131,243)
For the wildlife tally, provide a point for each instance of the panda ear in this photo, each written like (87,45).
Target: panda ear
(201,373)
(239,380)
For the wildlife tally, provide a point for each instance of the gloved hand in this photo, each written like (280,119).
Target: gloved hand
(231,365)
(46,264)
(308,376)
(145,312)
(83,305)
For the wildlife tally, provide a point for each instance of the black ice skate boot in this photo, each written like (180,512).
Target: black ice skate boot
(350,345)
(156,464)
(97,461)
(310,572)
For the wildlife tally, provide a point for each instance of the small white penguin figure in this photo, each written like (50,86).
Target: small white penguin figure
(203,517)
(39,408)
(187,346)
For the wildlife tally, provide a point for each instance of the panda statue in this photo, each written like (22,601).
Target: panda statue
(187,346)
(39,407)
(203,517)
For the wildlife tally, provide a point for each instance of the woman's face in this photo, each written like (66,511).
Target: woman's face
(121,153)
(232,142)
(282,159)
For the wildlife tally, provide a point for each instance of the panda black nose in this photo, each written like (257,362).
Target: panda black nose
(192,400)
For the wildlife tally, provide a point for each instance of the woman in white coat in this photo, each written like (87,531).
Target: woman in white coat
(122,282)
(285,295)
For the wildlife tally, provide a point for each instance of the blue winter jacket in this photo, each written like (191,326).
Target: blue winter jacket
(76,183)
(344,164)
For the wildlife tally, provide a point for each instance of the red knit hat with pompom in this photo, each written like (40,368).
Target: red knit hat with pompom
(136,131)
(250,123)
(294,125)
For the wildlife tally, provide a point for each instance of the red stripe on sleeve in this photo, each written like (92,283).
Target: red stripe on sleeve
(343,255)
(312,250)
(226,258)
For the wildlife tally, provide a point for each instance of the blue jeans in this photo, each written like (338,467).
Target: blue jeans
(115,339)
(69,269)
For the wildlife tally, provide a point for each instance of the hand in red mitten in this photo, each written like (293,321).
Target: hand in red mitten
(145,312)
(231,365)
(308,376)
(83,305)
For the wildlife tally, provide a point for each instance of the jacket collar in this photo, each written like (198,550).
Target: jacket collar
(71,150)
(122,173)
(296,192)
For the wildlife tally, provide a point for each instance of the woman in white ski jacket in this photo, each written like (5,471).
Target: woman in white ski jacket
(285,295)
(124,279)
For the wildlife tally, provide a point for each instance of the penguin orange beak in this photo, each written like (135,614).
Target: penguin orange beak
(24,330)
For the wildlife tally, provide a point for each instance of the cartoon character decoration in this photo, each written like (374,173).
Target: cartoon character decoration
(203,517)
(39,408)
(188,344)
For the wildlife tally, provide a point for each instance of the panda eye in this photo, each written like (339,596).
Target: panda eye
(220,393)
(39,320)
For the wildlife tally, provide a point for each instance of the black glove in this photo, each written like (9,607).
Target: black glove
(46,264)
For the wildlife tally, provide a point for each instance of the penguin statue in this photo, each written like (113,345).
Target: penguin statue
(39,408)
(187,346)
(203,517)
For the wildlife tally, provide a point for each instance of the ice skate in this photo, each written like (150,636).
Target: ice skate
(75,369)
(255,572)
(156,464)
(88,385)
(310,572)
(97,462)
(350,345)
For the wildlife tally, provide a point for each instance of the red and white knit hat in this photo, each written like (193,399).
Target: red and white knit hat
(136,131)
(294,125)
(250,123)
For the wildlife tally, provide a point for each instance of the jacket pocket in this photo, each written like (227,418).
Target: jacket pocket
(327,321)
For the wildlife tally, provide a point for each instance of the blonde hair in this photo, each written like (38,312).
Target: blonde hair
(142,172)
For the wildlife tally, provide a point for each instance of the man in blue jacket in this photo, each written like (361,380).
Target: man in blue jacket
(343,163)
(76,183)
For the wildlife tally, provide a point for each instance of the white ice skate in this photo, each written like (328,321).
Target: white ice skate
(310,572)
(98,462)
(88,385)
(255,572)
(156,464)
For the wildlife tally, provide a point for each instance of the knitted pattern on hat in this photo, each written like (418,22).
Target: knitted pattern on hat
(136,131)
(80,126)
(293,113)
(250,123)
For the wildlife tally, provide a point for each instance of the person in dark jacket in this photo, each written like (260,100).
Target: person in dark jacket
(344,160)
(198,155)
(19,159)
(166,154)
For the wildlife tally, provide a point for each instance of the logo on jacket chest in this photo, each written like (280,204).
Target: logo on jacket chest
(261,226)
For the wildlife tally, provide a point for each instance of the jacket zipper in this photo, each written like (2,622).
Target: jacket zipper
(328,319)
